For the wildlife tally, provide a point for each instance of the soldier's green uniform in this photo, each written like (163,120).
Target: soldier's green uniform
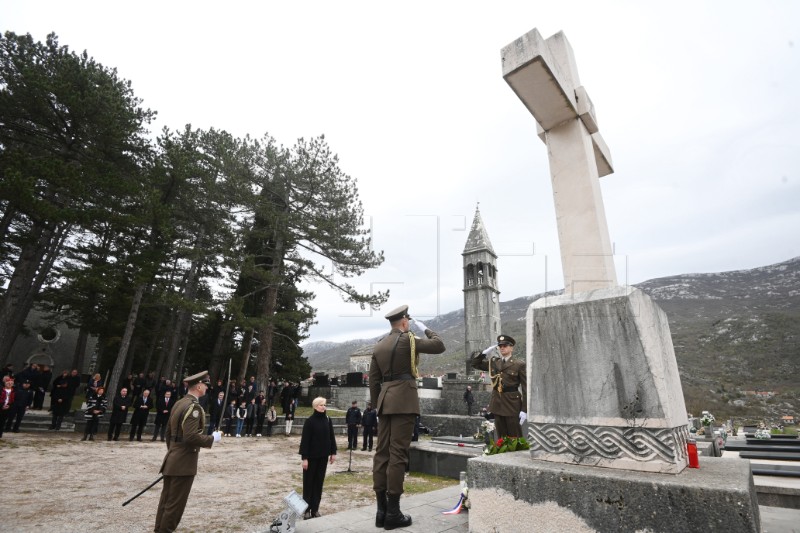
(509,389)
(393,392)
(184,437)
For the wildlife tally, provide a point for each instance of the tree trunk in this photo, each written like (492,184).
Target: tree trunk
(182,359)
(160,367)
(265,335)
(247,346)
(31,270)
(181,332)
(215,365)
(111,389)
(131,356)
(154,338)
(79,356)
(5,222)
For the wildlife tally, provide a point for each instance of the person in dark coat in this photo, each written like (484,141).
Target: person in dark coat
(469,399)
(59,401)
(215,409)
(138,385)
(271,390)
(393,391)
(40,386)
(286,396)
(163,409)
(28,373)
(96,405)
(369,421)
(23,400)
(229,418)
(163,387)
(250,417)
(317,449)
(119,413)
(140,409)
(353,419)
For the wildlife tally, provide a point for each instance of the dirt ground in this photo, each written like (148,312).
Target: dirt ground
(53,482)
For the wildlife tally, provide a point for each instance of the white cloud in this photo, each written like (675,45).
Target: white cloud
(697,102)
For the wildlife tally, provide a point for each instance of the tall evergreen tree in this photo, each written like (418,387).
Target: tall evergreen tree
(308,222)
(71,132)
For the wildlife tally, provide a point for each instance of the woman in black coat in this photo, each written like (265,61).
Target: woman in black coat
(317,449)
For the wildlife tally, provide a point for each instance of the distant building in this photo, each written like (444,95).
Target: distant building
(360,359)
(787,420)
(481,291)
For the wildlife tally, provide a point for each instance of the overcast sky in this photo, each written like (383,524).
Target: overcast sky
(699,103)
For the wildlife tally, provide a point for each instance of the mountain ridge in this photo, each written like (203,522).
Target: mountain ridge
(732,331)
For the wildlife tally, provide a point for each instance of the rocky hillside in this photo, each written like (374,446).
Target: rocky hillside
(733,332)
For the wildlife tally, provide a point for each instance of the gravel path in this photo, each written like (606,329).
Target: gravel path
(55,483)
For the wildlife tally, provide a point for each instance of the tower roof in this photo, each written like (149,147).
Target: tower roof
(478,239)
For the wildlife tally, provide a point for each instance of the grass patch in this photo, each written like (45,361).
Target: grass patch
(305,412)
(419,483)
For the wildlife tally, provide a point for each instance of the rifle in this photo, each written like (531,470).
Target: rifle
(150,486)
(225,402)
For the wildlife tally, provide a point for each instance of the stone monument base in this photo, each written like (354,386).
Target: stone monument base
(509,491)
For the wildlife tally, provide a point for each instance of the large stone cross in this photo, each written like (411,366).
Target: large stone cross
(544,75)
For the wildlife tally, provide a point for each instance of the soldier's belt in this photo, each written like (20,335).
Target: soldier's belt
(399,377)
(510,389)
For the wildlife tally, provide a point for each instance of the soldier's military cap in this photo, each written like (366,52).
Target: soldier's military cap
(397,314)
(505,339)
(197,378)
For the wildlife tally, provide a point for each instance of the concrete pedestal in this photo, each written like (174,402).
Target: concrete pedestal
(509,491)
(603,383)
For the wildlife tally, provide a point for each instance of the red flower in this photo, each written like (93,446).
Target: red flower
(499,442)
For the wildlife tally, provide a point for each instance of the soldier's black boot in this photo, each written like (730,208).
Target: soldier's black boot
(380,496)
(394,517)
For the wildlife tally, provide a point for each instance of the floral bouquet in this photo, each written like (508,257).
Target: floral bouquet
(507,444)
(485,432)
(707,419)
(763,433)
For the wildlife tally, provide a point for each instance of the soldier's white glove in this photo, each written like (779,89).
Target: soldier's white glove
(523,416)
(217,436)
(489,349)
(420,326)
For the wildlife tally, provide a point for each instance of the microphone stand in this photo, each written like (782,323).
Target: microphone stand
(349,463)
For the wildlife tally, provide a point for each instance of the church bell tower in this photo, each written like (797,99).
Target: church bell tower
(481,293)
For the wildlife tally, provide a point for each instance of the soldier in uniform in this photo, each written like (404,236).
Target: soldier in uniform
(393,391)
(185,437)
(509,386)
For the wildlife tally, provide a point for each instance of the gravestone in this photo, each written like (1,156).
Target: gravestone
(607,422)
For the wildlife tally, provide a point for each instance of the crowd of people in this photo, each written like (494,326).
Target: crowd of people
(248,412)
(26,390)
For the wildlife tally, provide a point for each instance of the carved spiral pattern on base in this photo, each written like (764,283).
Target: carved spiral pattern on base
(636,443)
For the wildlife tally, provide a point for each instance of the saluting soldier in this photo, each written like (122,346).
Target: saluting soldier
(184,437)
(509,386)
(393,391)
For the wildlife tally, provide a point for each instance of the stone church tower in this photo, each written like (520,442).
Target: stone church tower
(481,293)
